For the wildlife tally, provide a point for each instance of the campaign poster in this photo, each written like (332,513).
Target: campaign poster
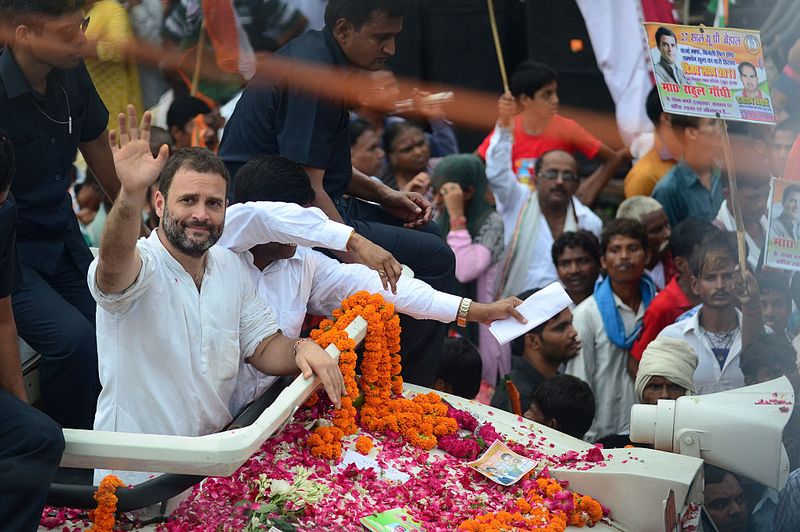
(502,465)
(710,72)
(783,233)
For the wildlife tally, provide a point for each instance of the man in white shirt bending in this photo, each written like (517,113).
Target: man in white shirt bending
(176,314)
(296,279)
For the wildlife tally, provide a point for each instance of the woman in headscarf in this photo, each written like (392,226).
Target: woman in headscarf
(474,232)
(666,370)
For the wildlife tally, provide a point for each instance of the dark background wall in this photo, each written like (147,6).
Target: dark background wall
(450,41)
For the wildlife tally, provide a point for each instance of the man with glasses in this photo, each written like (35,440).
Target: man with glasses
(50,109)
(533,219)
(693,188)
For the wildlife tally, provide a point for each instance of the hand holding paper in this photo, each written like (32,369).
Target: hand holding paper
(537,309)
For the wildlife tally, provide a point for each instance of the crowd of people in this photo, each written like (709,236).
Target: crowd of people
(223,235)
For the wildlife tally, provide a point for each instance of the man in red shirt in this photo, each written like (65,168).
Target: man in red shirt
(538,128)
(677,297)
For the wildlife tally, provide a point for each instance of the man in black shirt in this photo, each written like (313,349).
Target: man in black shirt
(30,443)
(313,131)
(50,109)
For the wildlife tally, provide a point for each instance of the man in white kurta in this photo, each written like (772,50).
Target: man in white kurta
(297,280)
(177,315)
(513,200)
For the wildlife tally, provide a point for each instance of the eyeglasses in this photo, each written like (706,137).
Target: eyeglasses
(69,33)
(567,176)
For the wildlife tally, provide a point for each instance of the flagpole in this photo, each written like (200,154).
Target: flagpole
(497,47)
(198,60)
(733,197)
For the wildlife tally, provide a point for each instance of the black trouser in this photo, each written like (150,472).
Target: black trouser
(55,316)
(428,255)
(30,449)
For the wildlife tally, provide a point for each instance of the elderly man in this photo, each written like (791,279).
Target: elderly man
(176,314)
(651,215)
(296,279)
(532,220)
(665,371)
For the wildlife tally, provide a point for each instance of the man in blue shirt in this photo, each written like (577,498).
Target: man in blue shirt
(50,109)
(312,129)
(30,443)
(693,188)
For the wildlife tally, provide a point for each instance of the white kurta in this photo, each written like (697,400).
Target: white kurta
(311,282)
(511,196)
(604,366)
(709,377)
(168,354)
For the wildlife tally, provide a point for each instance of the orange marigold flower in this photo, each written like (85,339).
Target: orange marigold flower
(364,444)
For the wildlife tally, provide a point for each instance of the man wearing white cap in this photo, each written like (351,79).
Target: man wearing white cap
(666,371)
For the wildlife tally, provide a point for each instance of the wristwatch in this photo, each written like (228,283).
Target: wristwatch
(463,310)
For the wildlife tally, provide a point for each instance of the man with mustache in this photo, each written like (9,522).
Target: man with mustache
(576,256)
(533,219)
(714,332)
(609,322)
(651,215)
(537,355)
(176,315)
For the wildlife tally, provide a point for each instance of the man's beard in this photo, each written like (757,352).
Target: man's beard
(175,231)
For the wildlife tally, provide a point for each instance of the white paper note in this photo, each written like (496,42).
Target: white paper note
(538,308)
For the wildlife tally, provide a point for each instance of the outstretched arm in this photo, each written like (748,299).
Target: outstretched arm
(119,261)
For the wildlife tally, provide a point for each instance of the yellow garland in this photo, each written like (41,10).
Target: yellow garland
(104,516)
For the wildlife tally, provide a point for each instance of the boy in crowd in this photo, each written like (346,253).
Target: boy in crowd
(576,255)
(538,129)
(693,188)
(564,403)
(537,355)
(459,370)
(609,322)
(776,301)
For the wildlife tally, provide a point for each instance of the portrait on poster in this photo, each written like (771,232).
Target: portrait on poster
(783,234)
(710,72)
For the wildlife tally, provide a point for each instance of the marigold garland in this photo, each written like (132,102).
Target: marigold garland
(548,508)
(104,516)
(420,421)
